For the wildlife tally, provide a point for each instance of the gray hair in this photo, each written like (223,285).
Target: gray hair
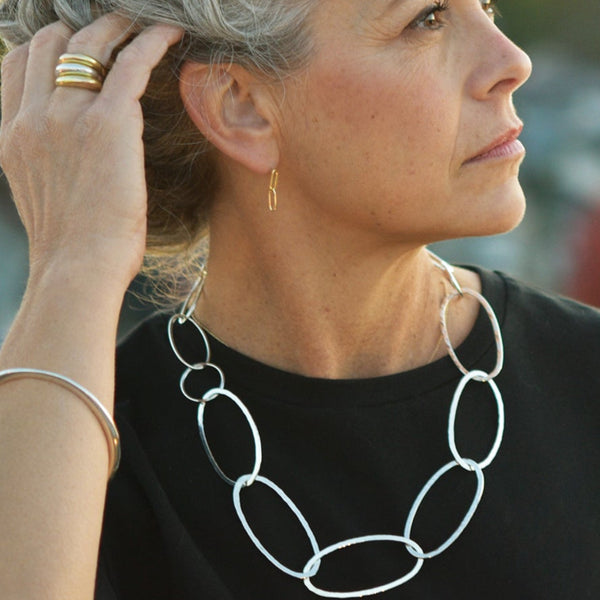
(269,37)
(266,35)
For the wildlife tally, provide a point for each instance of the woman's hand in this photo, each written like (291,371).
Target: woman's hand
(74,158)
(75,162)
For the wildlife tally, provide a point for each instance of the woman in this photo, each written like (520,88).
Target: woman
(324,144)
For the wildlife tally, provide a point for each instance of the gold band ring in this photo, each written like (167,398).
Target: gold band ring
(85,60)
(79,81)
(81,71)
(77,69)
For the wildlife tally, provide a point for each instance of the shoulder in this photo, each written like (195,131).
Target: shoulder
(548,313)
(545,329)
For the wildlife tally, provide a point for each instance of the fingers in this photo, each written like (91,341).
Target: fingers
(29,80)
(100,38)
(97,40)
(129,75)
(13,68)
(48,43)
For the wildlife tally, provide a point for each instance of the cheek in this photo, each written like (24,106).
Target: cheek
(375,139)
(398,115)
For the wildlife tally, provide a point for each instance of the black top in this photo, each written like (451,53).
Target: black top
(353,455)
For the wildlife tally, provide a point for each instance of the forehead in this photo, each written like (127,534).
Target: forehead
(378,7)
(356,11)
(386,5)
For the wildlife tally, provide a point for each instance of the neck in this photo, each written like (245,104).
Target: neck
(317,307)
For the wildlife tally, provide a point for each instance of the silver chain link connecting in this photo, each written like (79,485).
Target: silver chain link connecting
(313,564)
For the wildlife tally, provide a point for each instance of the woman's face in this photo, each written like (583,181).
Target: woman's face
(386,129)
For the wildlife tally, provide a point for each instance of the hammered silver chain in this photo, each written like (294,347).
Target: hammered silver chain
(313,563)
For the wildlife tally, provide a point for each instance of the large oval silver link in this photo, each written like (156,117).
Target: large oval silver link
(475,376)
(244,481)
(180,319)
(412,546)
(210,395)
(463,523)
(495,326)
(200,367)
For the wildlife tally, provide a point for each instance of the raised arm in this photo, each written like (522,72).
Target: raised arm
(74,159)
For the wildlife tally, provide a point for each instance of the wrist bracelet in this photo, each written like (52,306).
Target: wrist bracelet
(102,415)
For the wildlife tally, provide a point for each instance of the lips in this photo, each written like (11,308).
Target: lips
(504,146)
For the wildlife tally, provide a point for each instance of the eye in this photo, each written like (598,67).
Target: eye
(491,9)
(430,18)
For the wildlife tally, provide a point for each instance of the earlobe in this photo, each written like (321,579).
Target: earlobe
(233,111)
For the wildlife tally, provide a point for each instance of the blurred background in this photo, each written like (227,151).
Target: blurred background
(558,245)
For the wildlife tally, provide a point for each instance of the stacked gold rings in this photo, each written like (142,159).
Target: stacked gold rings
(80,70)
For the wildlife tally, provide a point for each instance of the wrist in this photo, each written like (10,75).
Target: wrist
(82,278)
(67,324)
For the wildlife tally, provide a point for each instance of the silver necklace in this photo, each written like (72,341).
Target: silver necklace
(313,563)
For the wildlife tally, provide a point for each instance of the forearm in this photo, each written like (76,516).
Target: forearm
(54,465)
(75,162)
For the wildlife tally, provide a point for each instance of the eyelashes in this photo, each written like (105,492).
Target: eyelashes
(431,18)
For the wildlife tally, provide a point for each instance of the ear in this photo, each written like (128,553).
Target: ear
(234,111)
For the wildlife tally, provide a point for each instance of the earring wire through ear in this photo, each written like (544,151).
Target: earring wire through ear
(273,190)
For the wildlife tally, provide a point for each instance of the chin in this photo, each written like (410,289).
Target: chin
(500,212)
(512,209)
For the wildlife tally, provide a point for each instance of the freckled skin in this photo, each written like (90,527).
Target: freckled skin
(371,141)
(382,122)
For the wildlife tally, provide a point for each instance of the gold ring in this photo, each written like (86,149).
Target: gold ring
(81,71)
(77,69)
(85,60)
(79,81)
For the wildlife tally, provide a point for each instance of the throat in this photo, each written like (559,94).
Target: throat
(372,331)
(401,338)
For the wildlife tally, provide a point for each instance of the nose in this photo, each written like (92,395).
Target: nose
(502,66)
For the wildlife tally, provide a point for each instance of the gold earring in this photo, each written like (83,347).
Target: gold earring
(273,190)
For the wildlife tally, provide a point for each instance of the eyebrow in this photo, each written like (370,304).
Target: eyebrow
(393,4)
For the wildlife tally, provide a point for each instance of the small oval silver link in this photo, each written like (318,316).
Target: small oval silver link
(410,546)
(199,367)
(463,523)
(495,326)
(244,481)
(475,376)
(212,394)
(176,318)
